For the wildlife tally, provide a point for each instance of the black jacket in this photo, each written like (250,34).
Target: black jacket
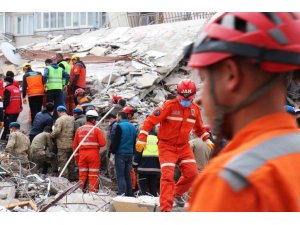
(41,120)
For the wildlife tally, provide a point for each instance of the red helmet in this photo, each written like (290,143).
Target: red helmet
(129,110)
(186,89)
(79,92)
(269,38)
(116,99)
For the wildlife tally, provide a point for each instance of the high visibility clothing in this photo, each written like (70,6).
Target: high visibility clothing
(2,87)
(33,82)
(67,69)
(176,122)
(88,156)
(14,106)
(151,147)
(258,169)
(55,79)
(78,69)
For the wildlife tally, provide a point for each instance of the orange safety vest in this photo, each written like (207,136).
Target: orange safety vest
(14,106)
(176,123)
(94,141)
(257,171)
(35,86)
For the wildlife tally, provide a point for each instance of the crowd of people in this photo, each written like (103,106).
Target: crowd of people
(251,154)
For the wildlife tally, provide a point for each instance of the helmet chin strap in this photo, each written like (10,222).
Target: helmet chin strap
(224,110)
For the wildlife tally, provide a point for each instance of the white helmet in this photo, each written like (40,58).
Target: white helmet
(91,113)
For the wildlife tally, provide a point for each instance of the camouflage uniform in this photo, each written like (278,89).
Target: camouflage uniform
(41,151)
(201,151)
(80,121)
(18,145)
(63,132)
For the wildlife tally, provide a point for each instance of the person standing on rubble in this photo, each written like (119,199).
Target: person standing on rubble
(62,63)
(80,118)
(112,123)
(33,87)
(119,105)
(41,151)
(148,167)
(78,75)
(63,133)
(18,144)
(177,118)
(12,105)
(88,155)
(41,120)
(54,80)
(244,60)
(123,142)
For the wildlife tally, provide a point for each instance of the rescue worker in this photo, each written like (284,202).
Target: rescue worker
(130,111)
(41,120)
(11,74)
(80,118)
(119,106)
(33,87)
(63,133)
(177,118)
(244,59)
(123,142)
(62,63)
(88,155)
(54,80)
(18,144)
(148,167)
(41,151)
(12,105)
(82,100)
(77,75)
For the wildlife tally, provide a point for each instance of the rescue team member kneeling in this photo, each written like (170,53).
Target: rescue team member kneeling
(88,155)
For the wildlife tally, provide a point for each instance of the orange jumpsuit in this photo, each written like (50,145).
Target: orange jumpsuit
(176,122)
(88,156)
(259,170)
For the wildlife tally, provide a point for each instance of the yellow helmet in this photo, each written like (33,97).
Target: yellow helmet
(75,57)
(25,65)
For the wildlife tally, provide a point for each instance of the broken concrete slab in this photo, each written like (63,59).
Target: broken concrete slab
(59,184)
(131,204)
(6,68)
(110,78)
(7,193)
(146,80)
(98,51)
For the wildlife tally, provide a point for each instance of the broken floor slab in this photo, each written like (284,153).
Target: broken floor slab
(131,204)
(146,80)
(98,51)
(7,193)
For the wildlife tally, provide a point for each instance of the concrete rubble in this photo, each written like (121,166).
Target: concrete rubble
(142,65)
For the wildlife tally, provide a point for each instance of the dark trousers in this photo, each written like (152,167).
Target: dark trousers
(8,118)
(149,183)
(35,104)
(123,165)
(55,96)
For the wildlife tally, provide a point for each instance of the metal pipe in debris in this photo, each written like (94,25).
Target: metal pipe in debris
(74,152)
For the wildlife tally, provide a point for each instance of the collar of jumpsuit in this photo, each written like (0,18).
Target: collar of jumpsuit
(264,125)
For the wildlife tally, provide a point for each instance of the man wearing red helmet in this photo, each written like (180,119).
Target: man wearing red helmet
(177,118)
(243,60)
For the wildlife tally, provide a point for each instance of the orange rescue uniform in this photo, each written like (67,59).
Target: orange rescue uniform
(259,170)
(78,69)
(88,156)
(176,123)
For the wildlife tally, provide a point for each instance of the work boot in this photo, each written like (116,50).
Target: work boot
(179,201)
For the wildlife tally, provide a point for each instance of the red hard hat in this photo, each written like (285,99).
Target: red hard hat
(79,92)
(269,38)
(116,99)
(186,89)
(129,110)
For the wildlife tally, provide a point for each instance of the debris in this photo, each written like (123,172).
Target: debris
(98,51)
(25,206)
(7,193)
(131,204)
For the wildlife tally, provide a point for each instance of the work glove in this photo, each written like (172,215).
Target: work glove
(24,101)
(3,156)
(210,144)
(1,125)
(139,146)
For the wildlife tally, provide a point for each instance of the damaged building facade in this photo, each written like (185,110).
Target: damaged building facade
(142,64)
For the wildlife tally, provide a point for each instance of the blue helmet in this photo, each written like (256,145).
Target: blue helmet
(290,109)
(14,124)
(61,108)
(77,110)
